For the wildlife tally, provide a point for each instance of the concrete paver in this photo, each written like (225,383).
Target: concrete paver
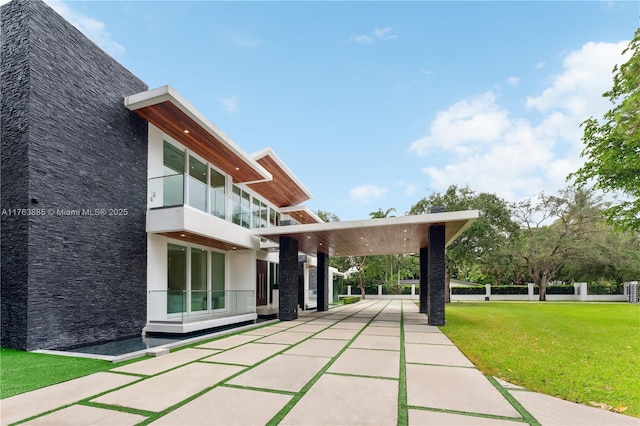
(38,401)
(373,329)
(336,334)
(227,406)
(366,362)
(248,354)
(160,392)
(276,363)
(288,337)
(363,341)
(429,338)
(435,354)
(81,415)
(283,372)
(460,389)
(359,401)
(230,341)
(318,347)
(551,411)
(424,417)
(156,365)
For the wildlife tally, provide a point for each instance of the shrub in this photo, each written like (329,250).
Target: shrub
(468,290)
(509,289)
(556,289)
(350,299)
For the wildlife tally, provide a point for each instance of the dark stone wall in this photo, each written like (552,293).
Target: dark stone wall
(288,295)
(14,115)
(436,275)
(323,282)
(86,152)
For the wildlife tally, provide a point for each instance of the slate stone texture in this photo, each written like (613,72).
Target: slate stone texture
(68,146)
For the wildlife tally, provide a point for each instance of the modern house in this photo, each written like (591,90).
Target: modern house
(125,210)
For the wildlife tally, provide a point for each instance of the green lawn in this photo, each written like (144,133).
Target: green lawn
(580,352)
(24,371)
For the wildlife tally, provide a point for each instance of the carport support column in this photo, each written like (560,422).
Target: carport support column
(424,289)
(436,275)
(288,297)
(323,282)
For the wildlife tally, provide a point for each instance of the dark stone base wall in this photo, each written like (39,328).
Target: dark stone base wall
(436,275)
(86,279)
(288,295)
(323,282)
(14,113)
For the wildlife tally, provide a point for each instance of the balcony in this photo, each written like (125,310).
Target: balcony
(182,311)
(179,190)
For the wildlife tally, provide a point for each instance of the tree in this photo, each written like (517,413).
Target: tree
(327,216)
(379,214)
(484,242)
(553,229)
(612,148)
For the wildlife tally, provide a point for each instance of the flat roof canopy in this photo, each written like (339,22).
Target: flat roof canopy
(395,235)
(285,189)
(167,110)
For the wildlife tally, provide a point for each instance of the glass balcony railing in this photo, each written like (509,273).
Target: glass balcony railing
(180,305)
(171,191)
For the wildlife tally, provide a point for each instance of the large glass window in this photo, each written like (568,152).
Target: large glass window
(217,280)
(197,183)
(274,217)
(198,279)
(177,278)
(241,207)
(217,183)
(189,279)
(172,182)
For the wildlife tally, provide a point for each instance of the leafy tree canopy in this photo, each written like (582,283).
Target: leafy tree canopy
(612,146)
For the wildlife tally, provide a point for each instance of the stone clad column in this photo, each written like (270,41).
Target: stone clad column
(424,288)
(288,297)
(323,282)
(436,275)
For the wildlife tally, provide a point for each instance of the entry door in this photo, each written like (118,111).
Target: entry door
(261,283)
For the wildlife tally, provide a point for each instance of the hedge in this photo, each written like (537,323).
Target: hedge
(468,290)
(556,289)
(349,299)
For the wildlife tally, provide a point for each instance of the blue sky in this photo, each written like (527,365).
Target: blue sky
(379,104)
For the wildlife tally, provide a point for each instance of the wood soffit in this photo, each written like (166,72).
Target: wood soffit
(173,121)
(190,237)
(356,240)
(282,190)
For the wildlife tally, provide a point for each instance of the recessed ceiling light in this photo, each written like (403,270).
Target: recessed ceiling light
(308,237)
(182,235)
(186,131)
(237,168)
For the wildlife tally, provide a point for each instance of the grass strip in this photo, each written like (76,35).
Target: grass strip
(119,408)
(403,411)
(470,414)
(253,388)
(519,408)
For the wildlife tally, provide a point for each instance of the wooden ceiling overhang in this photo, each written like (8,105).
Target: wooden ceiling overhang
(285,189)
(397,235)
(192,237)
(167,110)
(304,215)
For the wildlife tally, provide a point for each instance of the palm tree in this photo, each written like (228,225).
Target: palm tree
(381,214)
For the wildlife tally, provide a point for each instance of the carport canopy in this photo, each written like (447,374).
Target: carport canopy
(394,235)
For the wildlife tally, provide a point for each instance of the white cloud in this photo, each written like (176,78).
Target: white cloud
(230,104)
(408,188)
(492,150)
(513,81)
(383,34)
(539,65)
(249,42)
(463,125)
(367,193)
(92,28)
